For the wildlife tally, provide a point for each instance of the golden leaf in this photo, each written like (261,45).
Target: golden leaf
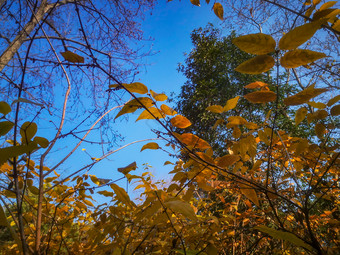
(335,110)
(257,44)
(135,104)
(236,132)
(228,160)
(300,115)
(320,130)
(215,108)
(235,121)
(180,121)
(135,87)
(317,105)
(296,58)
(256,65)
(218,122)
(255,85)
(327,5)
(304,96)
(249,193)
(158,97)
(299,35)
(333,100)
(151,146)
(325,14)
(182,207)
(72,57)
(151,113)
(231,104)
(195,2)
(122,196)
(261,96)
(218,10)
(168,110)
(336,25)
(193,141)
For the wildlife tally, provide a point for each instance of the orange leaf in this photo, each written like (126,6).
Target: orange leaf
(180,121)
(261,96)
(227,160)
(255,85)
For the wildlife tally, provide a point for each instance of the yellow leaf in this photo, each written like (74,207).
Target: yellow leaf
(158,97)
(218,122)
(236,132)
(335,111)
(182,207)
(4,108)
(336,25)
(135,104)
(249,193)
(121,195)
(320,130)
(218,10)
(155,114)
(235,121)
(168,110)
(257,44)
(251,125)
(27,131)
(316,2)
(256,65)
(255,85)
(151,146)
(72,57)
(278,234)
(327,5)
(309,11)
(128,168)
(299,35)
(135,87)
(193,141)
(227,160)
(326,14)
(261,96)
(296,58)
(317,105)
(333,100)
(300,115)
(215,108)
(180,121)
(304,96)
(231,104)
(105,193)
(195,2)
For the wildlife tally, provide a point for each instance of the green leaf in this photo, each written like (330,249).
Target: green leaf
(15,151)
(286,236)
(182,207)
(151,146)
(27,131)
(5,127)
(299,35)
(4,222)
(218,10)
(43,142)
(256,65)
(24,100)
(72,57)
(5,108)
(296,58)
(257,44)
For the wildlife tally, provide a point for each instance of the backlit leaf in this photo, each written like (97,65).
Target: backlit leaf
(261,96)
(235,121)
(121,195)
(195,2)
(257,44)
(250,193)
(304,96)
(135,104)
(135,87)
(193,141)
(299,35)
(320,130)
(326,14)
(282,235)
(300,115)
(231,104)
(215,108)
(168,110)
(72,57)
(218,10)
(5,108)
(158,97)
(28,130)
(335,110)
(5,127)
(182,207)
(227,160)
(129,168)
(151,146)
(317,105)
(327,5)
(296,58)
(256,65)
(43,142)
(255,85)
(151,113)
(105,193)
(180,121)
(333,100)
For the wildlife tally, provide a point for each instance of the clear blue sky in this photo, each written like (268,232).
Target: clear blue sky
(170,26)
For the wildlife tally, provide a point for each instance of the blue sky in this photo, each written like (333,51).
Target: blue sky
(170,26)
